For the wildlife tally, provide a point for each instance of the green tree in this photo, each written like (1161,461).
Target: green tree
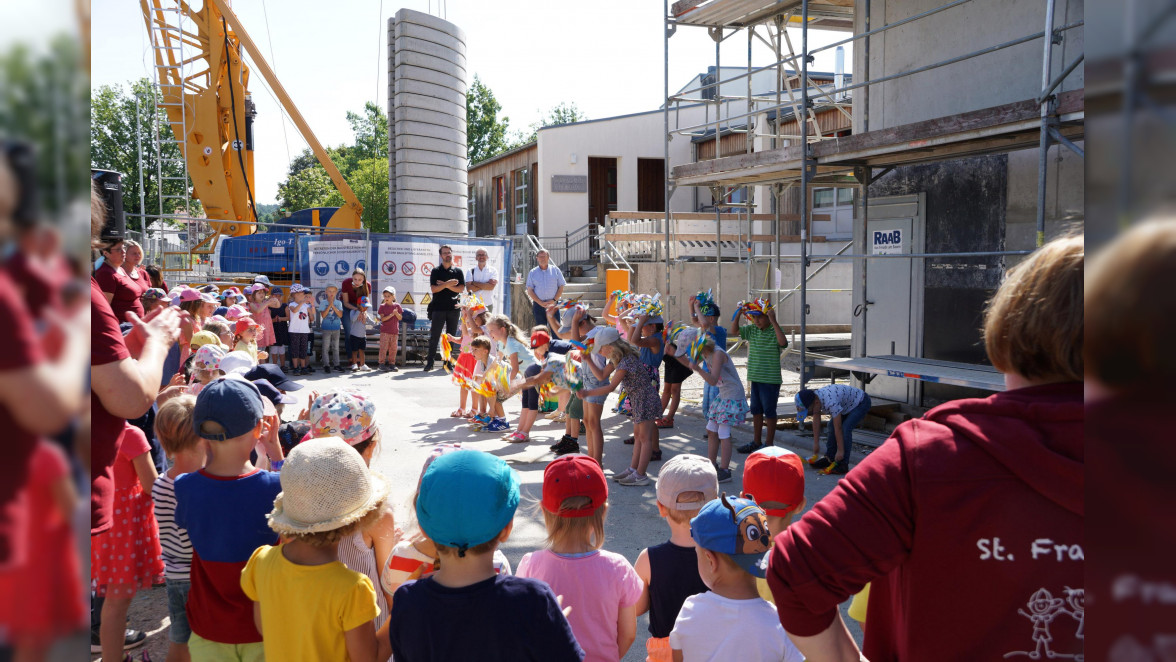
(44,99)
(371,132)
(563,113)
(113,146)
(485,132)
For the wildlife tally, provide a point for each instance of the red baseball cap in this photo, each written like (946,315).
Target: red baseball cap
(539,338)
(774,474)
(245,323)
(573,476)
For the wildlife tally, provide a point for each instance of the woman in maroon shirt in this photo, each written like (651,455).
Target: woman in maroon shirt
(119,290)
(133,267)
(351,291)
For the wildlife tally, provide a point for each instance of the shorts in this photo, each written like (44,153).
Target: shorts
(575,408)
(676,373)
(357,343)
(299,345)
(590,382)
(202,650)
(763,399)
(277,350)
(531,395)
(177,609)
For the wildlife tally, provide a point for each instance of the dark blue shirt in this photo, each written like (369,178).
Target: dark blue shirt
(502,619)
(673,577)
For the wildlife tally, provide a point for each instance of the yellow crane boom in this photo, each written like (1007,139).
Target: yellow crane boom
(210,110)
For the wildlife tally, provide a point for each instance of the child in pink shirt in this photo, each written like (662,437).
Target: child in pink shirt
(389,313)
(601,587)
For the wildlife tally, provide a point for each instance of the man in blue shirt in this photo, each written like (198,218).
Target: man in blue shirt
(544,285)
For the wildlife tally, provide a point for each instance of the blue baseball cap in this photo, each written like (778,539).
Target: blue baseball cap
(804,400)
(735,527)
(231,402)
(466,498)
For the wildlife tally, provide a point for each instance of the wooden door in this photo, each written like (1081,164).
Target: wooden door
(602,193)
(651,185)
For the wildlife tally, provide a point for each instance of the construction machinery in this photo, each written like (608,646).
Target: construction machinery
(202,84)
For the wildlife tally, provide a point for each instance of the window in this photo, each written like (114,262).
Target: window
(500,206)
(845,196)
(832,197)
(472,211)
(520,180)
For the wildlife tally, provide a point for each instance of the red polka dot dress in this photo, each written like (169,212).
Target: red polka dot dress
(127,556)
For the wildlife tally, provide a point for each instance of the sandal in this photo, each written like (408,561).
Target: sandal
(457,413)
(629,441)
(664,422)
(518,438)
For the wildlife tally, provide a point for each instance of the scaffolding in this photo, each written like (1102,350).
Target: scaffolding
(813,158)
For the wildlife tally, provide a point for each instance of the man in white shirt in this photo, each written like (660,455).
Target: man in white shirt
(482,279)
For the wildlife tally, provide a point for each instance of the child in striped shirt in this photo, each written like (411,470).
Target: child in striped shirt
(173,428)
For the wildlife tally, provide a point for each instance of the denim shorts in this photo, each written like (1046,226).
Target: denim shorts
(177,608)
(763,399)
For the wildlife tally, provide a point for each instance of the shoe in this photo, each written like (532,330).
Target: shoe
(724,475)
(353,367)
(750,447)
(813,458)
(570,446)
(837,468)
(457,413)
(133,639)
(327,369)
(628,442)
(427,368)
(552,415)
(562,440)
(496,425)
(822,463)
(394,368)
(381,366)
(655,456)
(634,479)
(518,438)
(621,476)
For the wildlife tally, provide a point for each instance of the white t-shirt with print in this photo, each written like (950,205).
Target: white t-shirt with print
(839,399)
(711,628)
(300,317)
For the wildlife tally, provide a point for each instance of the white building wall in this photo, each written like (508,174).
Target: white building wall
(564,150)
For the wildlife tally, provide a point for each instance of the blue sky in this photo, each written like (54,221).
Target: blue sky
(604,56)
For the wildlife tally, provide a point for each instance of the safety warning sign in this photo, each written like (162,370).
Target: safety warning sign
(407,300)
(427,300)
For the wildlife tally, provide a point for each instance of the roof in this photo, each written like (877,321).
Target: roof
(510,152)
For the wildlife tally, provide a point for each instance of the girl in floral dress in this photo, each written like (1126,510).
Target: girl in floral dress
(260,303)
(126,557)
(726,410)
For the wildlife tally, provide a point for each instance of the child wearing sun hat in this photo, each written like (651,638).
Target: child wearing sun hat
(311,606)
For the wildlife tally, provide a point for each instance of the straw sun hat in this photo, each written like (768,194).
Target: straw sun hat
(325,486)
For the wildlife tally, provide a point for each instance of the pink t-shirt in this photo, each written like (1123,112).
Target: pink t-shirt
(596,586)
(391,326)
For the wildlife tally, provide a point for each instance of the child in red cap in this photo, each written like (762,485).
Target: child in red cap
(773,478)
(601,587)
(245,338)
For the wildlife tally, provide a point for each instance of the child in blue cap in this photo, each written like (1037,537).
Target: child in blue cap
(465,611)
(731,540)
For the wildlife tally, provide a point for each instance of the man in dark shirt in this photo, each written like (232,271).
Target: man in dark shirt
(446,284)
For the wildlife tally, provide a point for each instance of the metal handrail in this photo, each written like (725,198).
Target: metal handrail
(612,254)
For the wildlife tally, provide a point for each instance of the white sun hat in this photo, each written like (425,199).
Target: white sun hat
(325,486)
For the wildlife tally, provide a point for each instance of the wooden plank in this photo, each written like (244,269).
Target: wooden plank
(683,6)
(701,236)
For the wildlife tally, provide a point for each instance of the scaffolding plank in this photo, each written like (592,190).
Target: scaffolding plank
(703,236)
(998,128)
(927,370)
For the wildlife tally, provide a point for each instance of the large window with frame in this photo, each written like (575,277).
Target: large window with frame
(472,210)
(520,179)
(500,211)
(837,205)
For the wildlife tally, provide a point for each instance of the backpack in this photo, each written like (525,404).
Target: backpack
(408,318)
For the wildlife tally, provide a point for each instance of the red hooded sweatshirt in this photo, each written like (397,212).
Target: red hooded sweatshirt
(969,523)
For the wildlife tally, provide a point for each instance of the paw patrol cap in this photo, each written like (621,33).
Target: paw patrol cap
(735,527)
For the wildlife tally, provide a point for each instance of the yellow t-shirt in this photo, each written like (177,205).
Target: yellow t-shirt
(305,609)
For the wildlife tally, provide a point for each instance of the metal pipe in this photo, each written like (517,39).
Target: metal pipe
(666,137)
(142,191)
(1058,137)
(865,189)
(1043,143)
(1062,76)
(804,192)
(870,256)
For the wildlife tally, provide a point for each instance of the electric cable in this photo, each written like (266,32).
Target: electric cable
(236,131)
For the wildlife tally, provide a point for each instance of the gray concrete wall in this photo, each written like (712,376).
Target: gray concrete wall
(689,278)
(1005,76)
(426,126)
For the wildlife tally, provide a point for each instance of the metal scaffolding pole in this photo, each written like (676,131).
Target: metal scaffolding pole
(667,30)
(1047,105)
(804,192)
(868,175)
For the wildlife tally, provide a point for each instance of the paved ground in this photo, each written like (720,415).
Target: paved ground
(413,409)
